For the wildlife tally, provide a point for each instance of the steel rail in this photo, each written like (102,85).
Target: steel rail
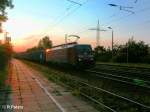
(125,71)
(127,67)
(114,78)
(117,76)
(90,98)
(140,75)
(111,93)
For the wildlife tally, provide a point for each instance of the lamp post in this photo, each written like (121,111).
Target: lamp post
(112,34)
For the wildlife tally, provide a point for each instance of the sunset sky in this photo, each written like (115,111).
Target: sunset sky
(30,20)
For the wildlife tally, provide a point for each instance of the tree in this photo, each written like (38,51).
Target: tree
(5,54)
(3,15)
(3,5)
(32,49)
(102,54)
(132,51)
(137,50)
(45,43)
(99,50)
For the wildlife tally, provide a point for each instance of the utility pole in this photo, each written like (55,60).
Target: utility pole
(66,38)
(98,34)
(127,53)
(112,42)
(7,39)
(112,39)
(98,30)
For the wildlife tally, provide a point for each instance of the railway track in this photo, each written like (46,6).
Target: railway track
(78,83)
(93,98)
(132,67)
(115,70)
(126,69)
(122,79)
(103,97)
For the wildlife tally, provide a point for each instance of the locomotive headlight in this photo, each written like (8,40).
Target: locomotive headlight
(79,59)
(91,57)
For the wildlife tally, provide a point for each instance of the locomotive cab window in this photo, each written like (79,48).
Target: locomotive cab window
(84,49)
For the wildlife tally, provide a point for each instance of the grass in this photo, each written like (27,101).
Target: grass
(63,79)
(4,87)
(60,77)
(3,76)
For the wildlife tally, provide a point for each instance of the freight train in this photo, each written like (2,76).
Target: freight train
(71,53)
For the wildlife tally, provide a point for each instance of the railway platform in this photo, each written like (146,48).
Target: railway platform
(32,92)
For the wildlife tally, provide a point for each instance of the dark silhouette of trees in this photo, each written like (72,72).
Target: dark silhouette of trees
(45,43)
(5,54)
(6,48)
(32,49)
(3,5)
(102,53)
(99,49)
(132,51)
(137,50)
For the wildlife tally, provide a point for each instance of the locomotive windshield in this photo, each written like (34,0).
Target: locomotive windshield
(82,49)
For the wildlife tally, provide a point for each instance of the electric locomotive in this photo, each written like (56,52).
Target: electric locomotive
(71,53)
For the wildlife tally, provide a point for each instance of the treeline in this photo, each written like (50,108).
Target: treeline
(6,48)
(44,43)
(132,52)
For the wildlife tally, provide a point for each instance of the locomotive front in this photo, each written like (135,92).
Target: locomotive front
(84,55)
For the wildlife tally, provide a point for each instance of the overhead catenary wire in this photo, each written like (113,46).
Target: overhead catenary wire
(74,2)
(109,22)
(123,17)
(62,18)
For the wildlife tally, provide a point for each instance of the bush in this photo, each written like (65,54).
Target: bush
(146,59)
(5,55)
(105,57)
(132,51)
